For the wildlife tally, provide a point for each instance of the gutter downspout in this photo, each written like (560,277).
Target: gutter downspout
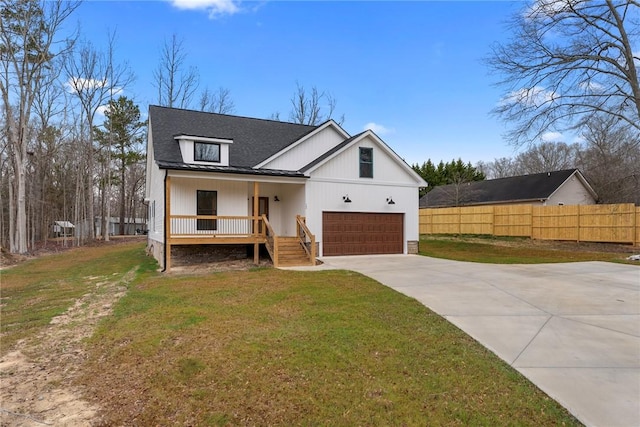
(164,252)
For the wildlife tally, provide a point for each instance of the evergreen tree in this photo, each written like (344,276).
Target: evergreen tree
(121,139)
(454,172)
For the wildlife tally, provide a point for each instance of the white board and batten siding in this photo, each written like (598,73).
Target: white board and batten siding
(232,195)
(340,176)
(307,150)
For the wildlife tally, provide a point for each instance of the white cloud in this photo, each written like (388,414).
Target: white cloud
(102,109)
(78,84)
(592,86)
(552,137)
(542,9)
(533,97)
(214,8)
(378,128)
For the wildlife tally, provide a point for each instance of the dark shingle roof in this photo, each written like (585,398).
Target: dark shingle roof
(522,188)
(254,140)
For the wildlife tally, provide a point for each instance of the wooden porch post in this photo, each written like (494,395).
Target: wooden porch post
(167,220)
(256,205)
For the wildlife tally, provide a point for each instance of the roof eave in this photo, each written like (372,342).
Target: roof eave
(231,170)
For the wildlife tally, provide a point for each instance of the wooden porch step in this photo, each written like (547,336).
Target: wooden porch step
(291,253)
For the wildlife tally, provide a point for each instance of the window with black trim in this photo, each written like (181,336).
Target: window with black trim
(205,152)
(207,204)
(366,162)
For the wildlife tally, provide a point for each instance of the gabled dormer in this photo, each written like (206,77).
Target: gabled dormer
(200,150)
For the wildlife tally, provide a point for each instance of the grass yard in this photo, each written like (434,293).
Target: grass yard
(496,250)
(40,289)
(270,347)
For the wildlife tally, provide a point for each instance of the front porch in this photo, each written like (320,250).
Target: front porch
(186,229)
(283,250)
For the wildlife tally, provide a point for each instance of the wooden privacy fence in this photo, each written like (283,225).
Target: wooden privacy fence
(581,223)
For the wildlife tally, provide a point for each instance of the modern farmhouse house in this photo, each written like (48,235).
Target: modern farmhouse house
(302,191)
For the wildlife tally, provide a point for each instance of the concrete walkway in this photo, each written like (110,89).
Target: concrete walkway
(572,329)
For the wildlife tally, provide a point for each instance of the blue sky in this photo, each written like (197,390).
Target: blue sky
(413,71)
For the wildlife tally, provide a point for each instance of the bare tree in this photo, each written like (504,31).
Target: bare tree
(569,60)
(28,31)
(307,107)
(546,157)
(610,159)
(94,78)
(503,167)
(216,102)
(175,85)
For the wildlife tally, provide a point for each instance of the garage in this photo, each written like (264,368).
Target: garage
(362,233)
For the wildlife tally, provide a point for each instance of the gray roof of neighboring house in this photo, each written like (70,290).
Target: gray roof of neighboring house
(539,186)
(254,140)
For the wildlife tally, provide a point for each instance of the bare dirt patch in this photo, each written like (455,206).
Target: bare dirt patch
(37,375)
(204,259)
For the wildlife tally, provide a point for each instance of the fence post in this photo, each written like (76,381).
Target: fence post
(578,224)
(493,220)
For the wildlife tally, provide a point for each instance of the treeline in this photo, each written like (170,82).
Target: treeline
(608,156)
(72,146)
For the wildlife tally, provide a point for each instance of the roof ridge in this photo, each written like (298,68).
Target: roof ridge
(190,110)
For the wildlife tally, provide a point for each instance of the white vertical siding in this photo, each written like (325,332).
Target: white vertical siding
(155,196)
(309,150)
(347,165)
(340,176)
(232,195)
(282,214)
(327,196)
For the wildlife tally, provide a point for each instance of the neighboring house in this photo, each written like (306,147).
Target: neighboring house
(131,226)
(63,229)
(300,190)
(565,187)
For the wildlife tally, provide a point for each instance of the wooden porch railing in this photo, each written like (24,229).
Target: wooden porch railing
(271,242)
(307,239)
(214,226)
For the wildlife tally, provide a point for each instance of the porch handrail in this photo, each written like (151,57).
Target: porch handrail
(271,240)
(226,225)
(302,233)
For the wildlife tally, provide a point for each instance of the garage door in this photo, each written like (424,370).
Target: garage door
(358,233)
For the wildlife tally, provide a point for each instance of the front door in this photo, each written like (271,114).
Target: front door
(263,209)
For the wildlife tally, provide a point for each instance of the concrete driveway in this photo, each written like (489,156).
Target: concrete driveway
(572,329)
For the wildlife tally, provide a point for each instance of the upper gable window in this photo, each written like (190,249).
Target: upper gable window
(206,152)
(366,162)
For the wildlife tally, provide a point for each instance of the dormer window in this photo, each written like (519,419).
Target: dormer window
(206,152)
(202,150)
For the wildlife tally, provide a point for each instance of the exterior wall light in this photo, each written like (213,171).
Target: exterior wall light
(346,199)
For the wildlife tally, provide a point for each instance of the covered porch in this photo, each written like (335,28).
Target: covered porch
(229,210)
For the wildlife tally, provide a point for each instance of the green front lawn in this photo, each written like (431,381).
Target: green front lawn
(494,250)
(272,347)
